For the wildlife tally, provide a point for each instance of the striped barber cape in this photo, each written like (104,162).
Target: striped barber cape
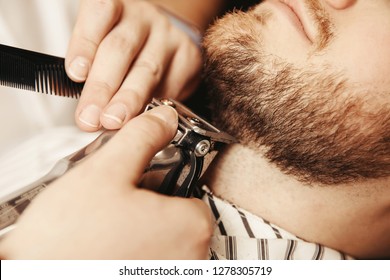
(240,235)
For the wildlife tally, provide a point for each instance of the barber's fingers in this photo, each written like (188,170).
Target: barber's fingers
(145,74)
(127,154)
(164,67)
(131,56)
(95,19)
(111,64)
(183,75)
(142,38)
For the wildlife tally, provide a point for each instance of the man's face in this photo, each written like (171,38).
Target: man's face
(309,81)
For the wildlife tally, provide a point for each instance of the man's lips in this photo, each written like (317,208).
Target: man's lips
(295,12)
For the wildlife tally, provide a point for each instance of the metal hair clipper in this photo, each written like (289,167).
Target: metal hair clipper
(175,170)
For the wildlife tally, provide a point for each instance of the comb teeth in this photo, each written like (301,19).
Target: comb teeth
(34,71)
(16,72)
(51,79)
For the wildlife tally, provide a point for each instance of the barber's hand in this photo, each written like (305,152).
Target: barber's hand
(96,211)
(127,51)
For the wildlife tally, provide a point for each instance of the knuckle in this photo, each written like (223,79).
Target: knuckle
(100,88)
(121,42)
(134,95)
(89,44)
(109,6)
(151,66)
(106,10)
(147,6)
(165,23)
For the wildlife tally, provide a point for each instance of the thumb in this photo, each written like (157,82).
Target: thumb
(125,156)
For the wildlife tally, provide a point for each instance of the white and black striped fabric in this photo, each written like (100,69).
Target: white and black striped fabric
(240,235)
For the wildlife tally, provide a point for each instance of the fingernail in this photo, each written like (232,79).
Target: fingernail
(167,114)
(79,68)
(116,113)
(90,116)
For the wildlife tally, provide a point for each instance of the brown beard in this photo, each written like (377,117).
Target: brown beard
(310,122)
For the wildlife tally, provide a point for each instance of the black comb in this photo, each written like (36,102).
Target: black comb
(37,72)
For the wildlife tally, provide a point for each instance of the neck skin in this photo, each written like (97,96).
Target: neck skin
(353,218)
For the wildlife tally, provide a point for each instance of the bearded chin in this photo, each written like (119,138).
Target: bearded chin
(310,123)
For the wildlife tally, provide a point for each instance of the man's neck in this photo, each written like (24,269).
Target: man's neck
(352,218)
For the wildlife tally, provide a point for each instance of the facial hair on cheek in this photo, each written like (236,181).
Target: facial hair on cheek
(299,115)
